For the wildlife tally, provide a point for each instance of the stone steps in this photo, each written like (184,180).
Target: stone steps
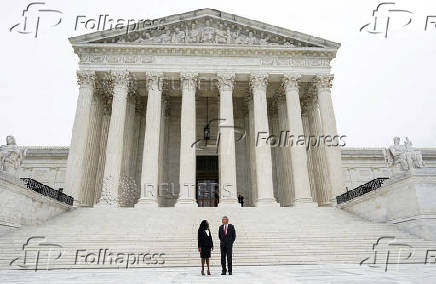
(265,236)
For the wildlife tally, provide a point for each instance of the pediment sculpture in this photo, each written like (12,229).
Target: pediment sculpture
(205,31)
(404,155)
(11,156)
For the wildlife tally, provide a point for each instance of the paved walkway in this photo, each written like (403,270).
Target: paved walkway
(348,274)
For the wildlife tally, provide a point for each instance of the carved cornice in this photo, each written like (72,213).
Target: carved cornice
(290,82)
(225,82)
(188,81)
(154,81)
(323,81)
(258,81)
(86,78)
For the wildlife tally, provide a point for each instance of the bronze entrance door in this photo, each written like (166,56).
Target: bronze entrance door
(207,191)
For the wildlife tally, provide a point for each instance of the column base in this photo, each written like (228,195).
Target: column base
(147,203)
(333,202)
(107,205)
(186,203)
(270,202)
(77,203)
(306,202)
(229,203)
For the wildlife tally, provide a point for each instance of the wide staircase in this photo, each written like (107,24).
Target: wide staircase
(265,236)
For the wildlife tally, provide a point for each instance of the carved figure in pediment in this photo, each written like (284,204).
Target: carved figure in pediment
(146,38)
(166,37)
(208,33)
(251,39)
(178,36)
(289,44)
(229,35)
(263,39)
(192,36)
(221,35)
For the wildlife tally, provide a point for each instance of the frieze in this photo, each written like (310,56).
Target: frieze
(295,62)
(115,59)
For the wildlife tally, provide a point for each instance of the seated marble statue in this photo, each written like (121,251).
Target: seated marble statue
(11,156)
(403,155)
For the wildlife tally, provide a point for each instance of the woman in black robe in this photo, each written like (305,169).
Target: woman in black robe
(205,245)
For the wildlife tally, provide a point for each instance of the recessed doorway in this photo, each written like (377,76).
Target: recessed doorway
(207,187)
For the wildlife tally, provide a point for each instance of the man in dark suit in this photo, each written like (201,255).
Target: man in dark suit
(227,236)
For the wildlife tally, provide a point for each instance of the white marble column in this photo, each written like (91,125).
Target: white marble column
(318,153)
(309,151)
(188,137)
(328,124)
(285,152)
(264,182)
(81,128)
(251,142)
(106,109)
(150,158)
(227,160)
(87,193)
(300,174)
(114,147)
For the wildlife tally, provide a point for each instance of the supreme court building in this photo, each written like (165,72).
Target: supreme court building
(176,113)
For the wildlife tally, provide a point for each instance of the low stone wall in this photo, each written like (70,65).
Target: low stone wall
(408,201)
(21,206)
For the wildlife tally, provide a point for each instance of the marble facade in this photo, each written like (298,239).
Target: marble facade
(137,90)
(146,97)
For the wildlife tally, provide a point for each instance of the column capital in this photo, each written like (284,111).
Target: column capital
(86,78)
(290,81)
(225,81)
(258,81)
(120,78)
(323,81)
(154,81)
(188,80)
(106,85)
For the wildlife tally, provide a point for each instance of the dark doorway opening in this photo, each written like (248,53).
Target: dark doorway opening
(207,192)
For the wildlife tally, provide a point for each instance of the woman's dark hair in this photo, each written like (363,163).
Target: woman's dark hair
(204,225)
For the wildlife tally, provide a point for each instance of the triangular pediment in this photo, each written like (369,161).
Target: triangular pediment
(205,27)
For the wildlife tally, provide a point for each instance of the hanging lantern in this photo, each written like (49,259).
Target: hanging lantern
(206,132)
(206,129)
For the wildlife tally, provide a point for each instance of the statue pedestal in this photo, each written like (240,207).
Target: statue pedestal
(407,200)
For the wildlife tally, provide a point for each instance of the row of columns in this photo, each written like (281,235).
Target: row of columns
(297,162)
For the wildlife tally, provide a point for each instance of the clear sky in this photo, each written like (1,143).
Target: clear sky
(383,87)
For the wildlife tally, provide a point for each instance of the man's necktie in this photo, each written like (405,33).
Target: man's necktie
(225,229)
